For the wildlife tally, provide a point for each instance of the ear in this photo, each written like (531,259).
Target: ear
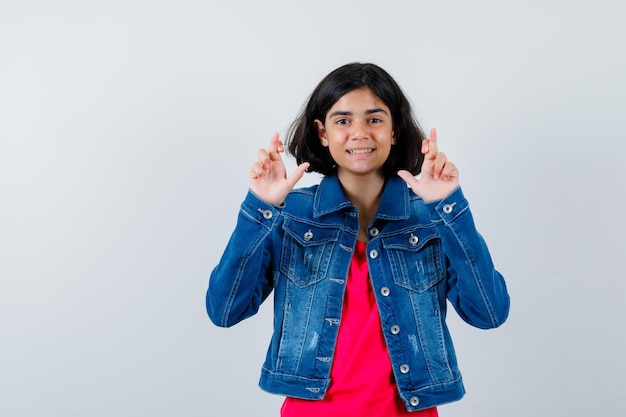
(321,132)
(393,137)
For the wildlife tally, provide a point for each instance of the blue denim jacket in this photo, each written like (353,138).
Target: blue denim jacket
(419,255)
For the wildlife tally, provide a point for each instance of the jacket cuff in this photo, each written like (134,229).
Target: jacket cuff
(449,208)
(260,211)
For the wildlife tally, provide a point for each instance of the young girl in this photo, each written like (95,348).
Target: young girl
(361,265)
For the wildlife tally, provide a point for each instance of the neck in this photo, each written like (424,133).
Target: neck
(364,193)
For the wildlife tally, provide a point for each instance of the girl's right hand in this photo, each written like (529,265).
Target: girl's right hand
(268,176)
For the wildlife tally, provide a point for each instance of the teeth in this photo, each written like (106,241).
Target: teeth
(359,151)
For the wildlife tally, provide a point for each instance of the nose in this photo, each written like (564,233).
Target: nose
(360,130)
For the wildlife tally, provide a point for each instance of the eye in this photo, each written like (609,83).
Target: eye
(375,120)
(342,121)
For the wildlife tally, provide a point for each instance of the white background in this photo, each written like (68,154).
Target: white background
(127,129)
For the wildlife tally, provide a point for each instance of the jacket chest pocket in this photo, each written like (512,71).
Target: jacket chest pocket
(415,259)
(306,251)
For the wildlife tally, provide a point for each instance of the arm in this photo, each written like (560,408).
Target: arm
(475,289)
(244,278)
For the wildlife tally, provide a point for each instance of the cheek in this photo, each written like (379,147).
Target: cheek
(335,150)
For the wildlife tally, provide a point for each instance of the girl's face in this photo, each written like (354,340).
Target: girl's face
(358,132)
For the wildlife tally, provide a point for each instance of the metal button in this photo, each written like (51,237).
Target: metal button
(308,235)
(267,214)
(385,291)
(373,254)
(374,232)
(414,401)
(395,329)
(413,240)
(404,368)
(447,208)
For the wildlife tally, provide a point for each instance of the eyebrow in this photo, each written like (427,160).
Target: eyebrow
(348,113)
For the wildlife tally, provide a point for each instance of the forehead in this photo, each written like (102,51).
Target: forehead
(359,100)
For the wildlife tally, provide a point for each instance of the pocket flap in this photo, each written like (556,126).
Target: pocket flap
(308,234)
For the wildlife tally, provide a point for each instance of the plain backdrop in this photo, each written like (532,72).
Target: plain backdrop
(127,129)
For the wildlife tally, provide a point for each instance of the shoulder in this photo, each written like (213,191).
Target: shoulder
(299,199)
(304,192)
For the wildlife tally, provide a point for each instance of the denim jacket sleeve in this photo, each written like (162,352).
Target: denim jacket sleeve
(243,278)
(475,289)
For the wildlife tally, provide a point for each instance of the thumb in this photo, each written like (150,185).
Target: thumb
(408,178)
(297,174)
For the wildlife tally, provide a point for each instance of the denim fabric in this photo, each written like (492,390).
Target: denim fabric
(419,255)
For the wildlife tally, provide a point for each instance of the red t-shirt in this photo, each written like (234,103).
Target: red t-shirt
(362,382)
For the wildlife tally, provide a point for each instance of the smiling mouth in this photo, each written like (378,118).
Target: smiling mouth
(360,151)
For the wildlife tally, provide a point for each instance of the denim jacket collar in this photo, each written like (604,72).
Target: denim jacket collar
(390,207)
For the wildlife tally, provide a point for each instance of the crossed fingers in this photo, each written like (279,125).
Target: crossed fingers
(265,157)
(436,163)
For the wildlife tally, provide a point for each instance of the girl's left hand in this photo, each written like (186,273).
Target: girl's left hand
(438,178)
